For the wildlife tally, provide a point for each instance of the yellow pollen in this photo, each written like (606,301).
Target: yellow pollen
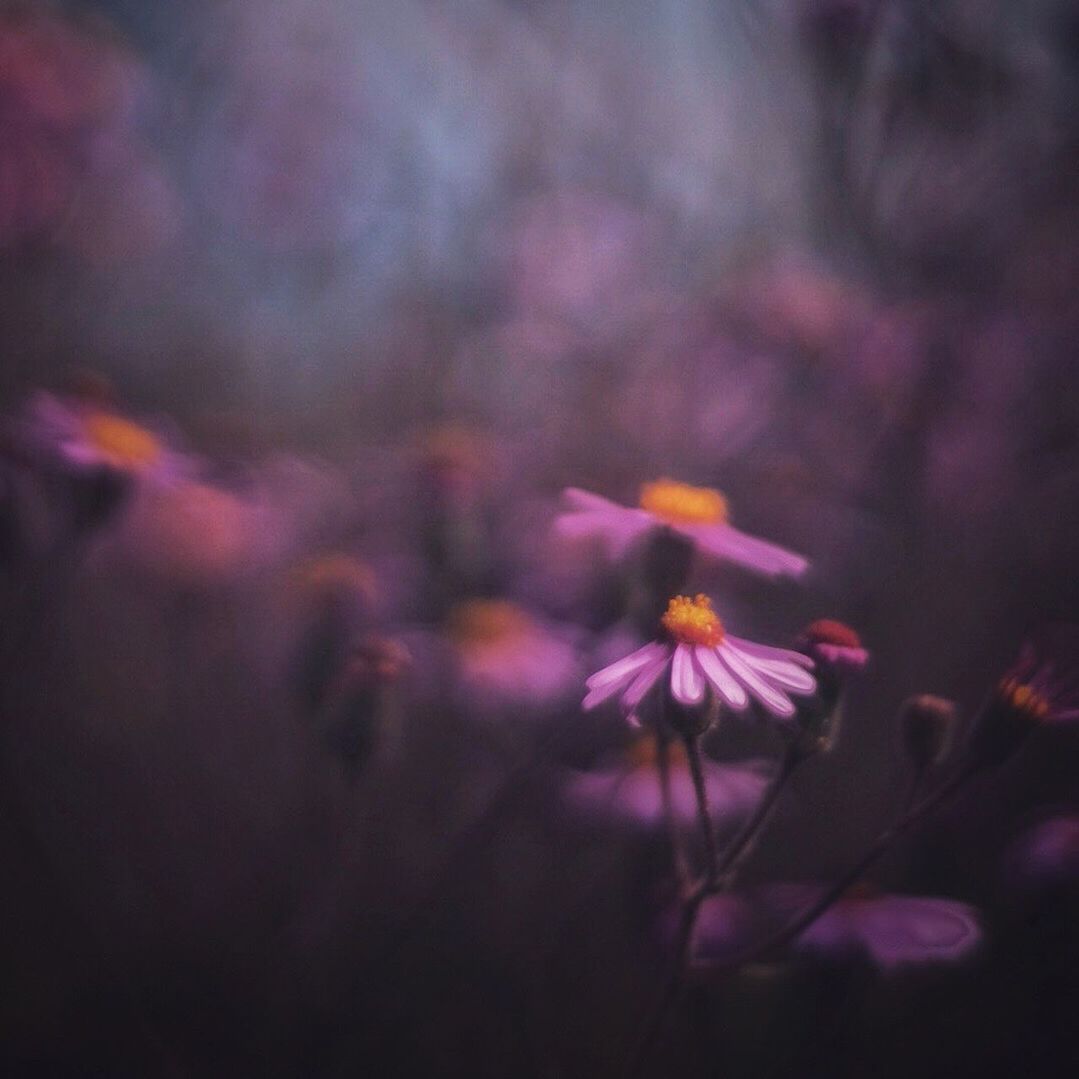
(488,622)
(692,621)
(122,443)
(644,753)
(680,504)
(1024,698)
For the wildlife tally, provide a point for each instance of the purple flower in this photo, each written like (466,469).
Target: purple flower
(1041,688)
(629,789)
(507,658)
(87,436)
(702,657)
(889,930)
(698,513)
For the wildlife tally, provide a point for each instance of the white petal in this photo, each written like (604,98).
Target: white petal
(644,682)
(732,694)
(687,681)
(782,672)
(771,698)
(621,669)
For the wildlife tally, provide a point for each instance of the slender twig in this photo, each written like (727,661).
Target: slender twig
(671,984)
(806,918)
(704,813)
(673,981)
(679,857)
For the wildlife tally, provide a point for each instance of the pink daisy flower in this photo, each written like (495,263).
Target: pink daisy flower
(698,513)
(700,657)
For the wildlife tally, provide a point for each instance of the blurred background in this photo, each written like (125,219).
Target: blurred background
(386,277)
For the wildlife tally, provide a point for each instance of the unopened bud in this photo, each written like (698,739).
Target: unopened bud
(927,723)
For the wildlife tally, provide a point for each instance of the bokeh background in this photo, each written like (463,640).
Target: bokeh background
(821,254)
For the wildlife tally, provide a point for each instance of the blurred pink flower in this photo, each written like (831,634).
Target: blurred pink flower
(67,103)
(698,513)
(506,657)
(88,435)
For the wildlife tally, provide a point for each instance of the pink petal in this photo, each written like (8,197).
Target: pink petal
(687,681)
(644,682)
(723,541)
(621,669)
(777,703)
(732,693)
(767,651)
(782,672)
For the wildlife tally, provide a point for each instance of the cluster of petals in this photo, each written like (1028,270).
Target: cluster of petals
(736,671)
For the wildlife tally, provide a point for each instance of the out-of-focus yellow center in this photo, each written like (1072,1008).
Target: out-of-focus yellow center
(336,572)
(1024,698)
(122,443)
(681,504)
(692,621)
(480,622)
(644,753)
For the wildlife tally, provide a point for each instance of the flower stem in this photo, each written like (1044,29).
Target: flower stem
(663,763)
(742,844)
(704,815)
(806,918)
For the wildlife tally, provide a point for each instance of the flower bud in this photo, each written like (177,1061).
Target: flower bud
(926,723)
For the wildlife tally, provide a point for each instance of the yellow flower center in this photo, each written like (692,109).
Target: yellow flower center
(692,621)
(122,443)
(644,753)
(1024,698)
(481,622)
(680,504)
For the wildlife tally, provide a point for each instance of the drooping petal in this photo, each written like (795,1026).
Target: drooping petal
(591,515)
(775,701)
(767,651)
(621,669)
(732,545)
(644,681)
(783,672)
(723,682)
(687,681)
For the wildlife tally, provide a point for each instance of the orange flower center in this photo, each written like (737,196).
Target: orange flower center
(692,621)
(482,622)
(644,753)
(1024,699)
(122,443)
(680,504)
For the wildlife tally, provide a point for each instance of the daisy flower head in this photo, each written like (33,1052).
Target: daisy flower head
(699,514)
(1036,691)
(87,436)
(703,661)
